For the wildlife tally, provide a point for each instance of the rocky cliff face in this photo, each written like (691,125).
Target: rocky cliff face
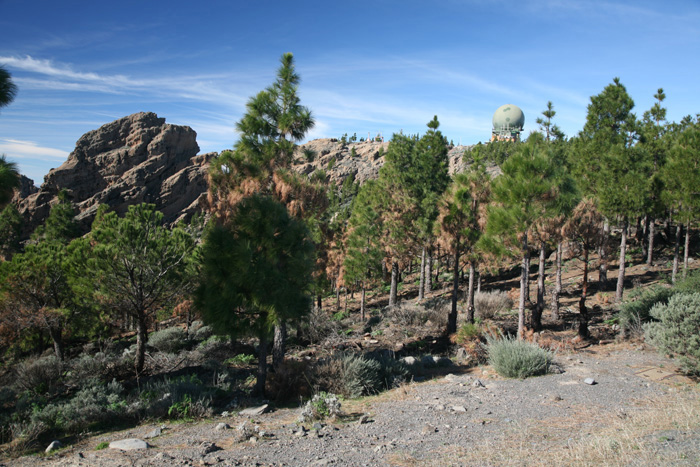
(368,158)
(135,159)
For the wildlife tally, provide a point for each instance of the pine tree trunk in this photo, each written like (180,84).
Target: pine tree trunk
(686,249)
(621,271)
(394,283)
(56,334)
(523,284)
(337,297)
(319,302)
(583,310)
(437,265)
(262,368)
(452,318)
(428,273)
(676,252)
(527,279)
(650,252)
(644,237)
(539,307)
(470,293)
(603,254)
(346,300)
(279,345)
(141,339)
(362,302)
(422,275)
(557,285)
(478,283)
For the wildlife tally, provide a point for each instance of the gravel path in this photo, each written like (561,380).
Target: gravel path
(445,421)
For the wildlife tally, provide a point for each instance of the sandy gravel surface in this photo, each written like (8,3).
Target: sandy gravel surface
(444,421)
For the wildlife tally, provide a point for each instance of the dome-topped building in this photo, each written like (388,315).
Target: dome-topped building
(508,122)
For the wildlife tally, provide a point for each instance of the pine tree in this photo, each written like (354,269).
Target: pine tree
(462,211)
(550,130)
(682,180)
(522,195)
(8,89)
(256,274)
(260,165)
(9,180)
(363,254)
(60,225)
(38,287)
(428,184)
(655,146)
(10,230)
(139,266)
(582,229)
(618,172)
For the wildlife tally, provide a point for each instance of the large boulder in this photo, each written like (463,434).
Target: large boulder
(135,159)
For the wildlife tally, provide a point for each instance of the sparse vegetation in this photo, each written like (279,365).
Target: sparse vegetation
(512,358)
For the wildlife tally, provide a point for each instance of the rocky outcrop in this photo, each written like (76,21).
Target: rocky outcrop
(361,159)
(132,160)
(140,158)
(26,188)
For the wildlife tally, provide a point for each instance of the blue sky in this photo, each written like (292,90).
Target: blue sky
(366,67)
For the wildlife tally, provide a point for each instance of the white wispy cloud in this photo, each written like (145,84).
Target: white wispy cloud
(20,150)
(201,87)
(49,68)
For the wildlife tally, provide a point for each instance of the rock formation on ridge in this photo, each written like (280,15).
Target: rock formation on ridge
(135,159)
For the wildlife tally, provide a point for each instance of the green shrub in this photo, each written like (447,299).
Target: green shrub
(87,367)
(677,331)
(393,372)
(39,375)
(101,446)
(198,331)
(158,397)
(690,284)
(240,359)
(466,333)
(169,340)
(94,404)
(513,358)
(635,310)
(361,376)
(341,315)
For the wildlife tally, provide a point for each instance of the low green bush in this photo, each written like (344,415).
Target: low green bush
(186,393)
(169,340)
(87,367)
(39,375)
(240,359)
(513,358)
(635,310)
(677,331)
(361,376)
